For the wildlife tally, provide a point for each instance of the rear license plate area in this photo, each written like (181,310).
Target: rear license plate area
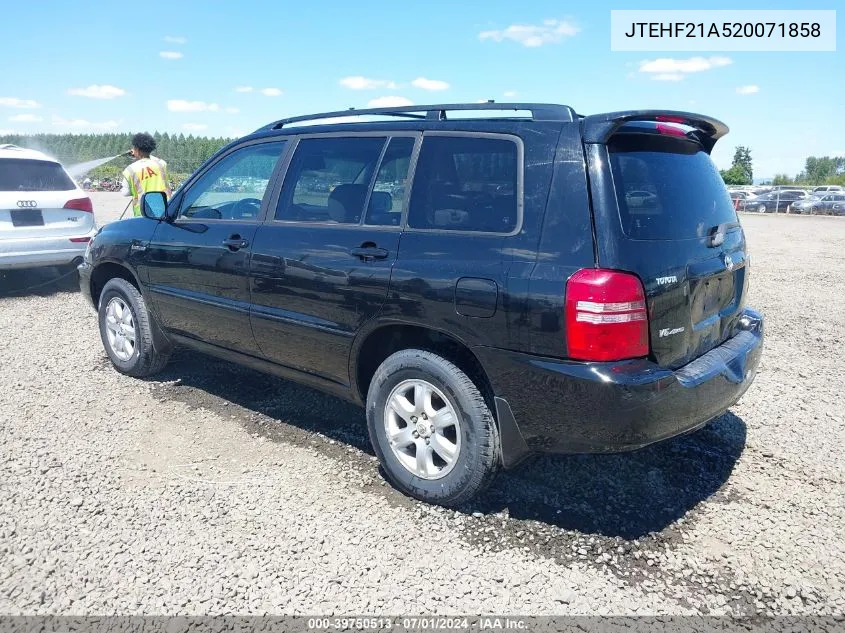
(28,217)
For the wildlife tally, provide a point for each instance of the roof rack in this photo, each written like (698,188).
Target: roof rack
(437,112)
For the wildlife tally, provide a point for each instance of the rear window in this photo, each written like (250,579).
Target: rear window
(33,175)
(667,188)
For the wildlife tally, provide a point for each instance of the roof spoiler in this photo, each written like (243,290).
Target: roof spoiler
(598,128)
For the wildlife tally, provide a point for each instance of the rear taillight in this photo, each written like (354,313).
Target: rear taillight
(80,204)
(671,130)
(670,118)
(606,317)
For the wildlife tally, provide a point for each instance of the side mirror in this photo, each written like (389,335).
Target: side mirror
(154,205)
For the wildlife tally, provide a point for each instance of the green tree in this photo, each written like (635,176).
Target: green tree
(818,171)
(742,159)
(783,179)
(735,176)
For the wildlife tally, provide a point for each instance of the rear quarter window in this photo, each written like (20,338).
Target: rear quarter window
(667,188)
(466,183)
(33,175)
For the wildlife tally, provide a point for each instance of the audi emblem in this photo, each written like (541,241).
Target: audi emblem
(27,204)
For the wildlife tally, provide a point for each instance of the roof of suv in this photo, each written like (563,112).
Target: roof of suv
(13,151)
(597,128)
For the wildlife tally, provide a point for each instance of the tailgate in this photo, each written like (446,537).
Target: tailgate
(43,214)
(662,211)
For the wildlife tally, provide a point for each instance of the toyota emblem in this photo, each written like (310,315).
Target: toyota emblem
(27,204)
(729,263)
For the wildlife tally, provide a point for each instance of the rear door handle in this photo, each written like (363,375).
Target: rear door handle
(369,252)
(235,243)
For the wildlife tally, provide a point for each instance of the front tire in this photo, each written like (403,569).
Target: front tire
(431,429)
(761,208)
(126,331)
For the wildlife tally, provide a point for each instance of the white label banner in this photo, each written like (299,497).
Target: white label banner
(764,30)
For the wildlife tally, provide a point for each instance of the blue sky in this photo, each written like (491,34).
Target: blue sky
(99,66)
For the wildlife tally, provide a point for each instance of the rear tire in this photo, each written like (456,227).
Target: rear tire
(419,403)
(126,332)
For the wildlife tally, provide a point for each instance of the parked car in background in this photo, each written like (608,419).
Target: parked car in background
(45,218)
(823,204)
(739,196)
(829,189)
(780,200)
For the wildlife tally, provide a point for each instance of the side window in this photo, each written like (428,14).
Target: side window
(387,201)
(328,180)
(234,188)
(465,184)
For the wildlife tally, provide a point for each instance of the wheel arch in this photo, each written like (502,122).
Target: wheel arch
(103,272)
(378,342)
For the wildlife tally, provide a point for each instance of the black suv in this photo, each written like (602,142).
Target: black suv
(517,281)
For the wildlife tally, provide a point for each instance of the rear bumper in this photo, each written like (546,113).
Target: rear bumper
(33,252)
(556,406)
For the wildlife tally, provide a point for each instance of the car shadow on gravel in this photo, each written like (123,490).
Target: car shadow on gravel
(38,282)
(626,495)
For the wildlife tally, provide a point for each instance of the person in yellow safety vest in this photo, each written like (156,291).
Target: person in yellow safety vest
(147,173)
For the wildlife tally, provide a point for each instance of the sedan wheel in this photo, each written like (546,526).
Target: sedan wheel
(761,208)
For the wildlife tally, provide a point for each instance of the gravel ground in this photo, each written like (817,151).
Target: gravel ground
(215,489)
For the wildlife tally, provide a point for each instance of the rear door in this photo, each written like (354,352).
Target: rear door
(683,240)
(39,200)
(322,262)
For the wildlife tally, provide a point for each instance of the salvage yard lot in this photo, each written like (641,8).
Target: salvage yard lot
(214,489)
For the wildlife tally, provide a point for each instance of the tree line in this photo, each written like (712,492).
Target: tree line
(824,170)
(182,153)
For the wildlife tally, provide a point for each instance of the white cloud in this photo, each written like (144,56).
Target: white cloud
(98,92)
(84,124)
(271,92)
(390,102)
(243,89)
(670,69)
(171,55)
(232,110)
(510,93)
(175,39)
(26,118)
(533,35)
(364,83)
(14,102)
(194,127)
(180,105)
(748,90)
(429,84)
